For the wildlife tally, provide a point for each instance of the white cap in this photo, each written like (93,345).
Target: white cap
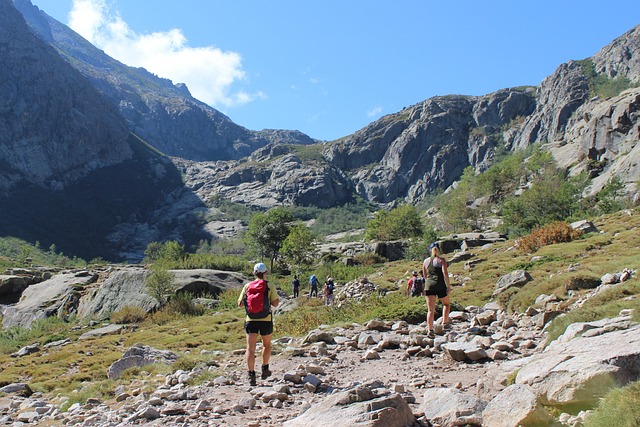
(260,268)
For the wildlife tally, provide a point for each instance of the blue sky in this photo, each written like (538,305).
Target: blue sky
(328,68)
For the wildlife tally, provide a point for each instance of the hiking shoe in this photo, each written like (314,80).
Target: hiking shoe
(252,378)
(266,373)
(431,334)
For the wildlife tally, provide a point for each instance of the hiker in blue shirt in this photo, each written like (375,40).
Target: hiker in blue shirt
(313,286)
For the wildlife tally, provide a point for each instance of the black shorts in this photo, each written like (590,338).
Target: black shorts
(263,327)
(437,292)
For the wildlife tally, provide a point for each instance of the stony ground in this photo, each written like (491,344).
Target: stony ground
(390,360)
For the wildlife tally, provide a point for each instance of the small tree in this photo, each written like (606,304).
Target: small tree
(299,248)
(160,284)
(170,251)
(609,197)
(267,232)
(402,222)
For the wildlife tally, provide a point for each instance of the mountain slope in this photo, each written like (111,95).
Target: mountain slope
(71,174)
(163,114)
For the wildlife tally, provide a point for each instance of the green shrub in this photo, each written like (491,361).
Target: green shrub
(618,408)
(182,304)
(160,284)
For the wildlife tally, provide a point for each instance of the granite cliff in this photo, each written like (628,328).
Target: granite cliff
(82,137)
(70,171)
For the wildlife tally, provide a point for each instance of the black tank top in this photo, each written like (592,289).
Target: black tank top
(435,275)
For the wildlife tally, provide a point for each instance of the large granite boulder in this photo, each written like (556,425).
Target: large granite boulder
(126,287)
(585,363)
(452,407)
(138,356)
(57,296)
(517,278)
(515,406)
(358,406)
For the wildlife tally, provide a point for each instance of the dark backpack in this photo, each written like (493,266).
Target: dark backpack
(256,302)
(330,287)
(417,286)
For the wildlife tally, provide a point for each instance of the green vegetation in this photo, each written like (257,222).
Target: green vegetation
(618,408)
(160,284)
(400,223)
(308,153)
(16,252)
(267,232)
(299,247)
(600,84)
(550,195)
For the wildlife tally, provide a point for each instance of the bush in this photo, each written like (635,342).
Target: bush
(618,408)
(400,223)
(160,285)
(182,304)
(368,258)
(556,232)
(128,314)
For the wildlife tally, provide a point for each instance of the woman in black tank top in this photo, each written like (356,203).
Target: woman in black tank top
(437,284)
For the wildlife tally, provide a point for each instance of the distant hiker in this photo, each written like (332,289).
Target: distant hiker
(258,297)
(434,269)
(296,286)
(415,285)
(313,286)
(329,297)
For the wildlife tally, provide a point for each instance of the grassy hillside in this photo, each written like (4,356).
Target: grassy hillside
(70,368)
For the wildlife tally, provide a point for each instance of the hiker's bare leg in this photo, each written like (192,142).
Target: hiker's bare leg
(446,309)
(431,311)
(250,354)
(266,349)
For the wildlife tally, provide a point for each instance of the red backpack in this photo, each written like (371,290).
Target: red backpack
(256,302)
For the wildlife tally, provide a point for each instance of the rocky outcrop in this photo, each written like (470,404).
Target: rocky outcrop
(57,296)
(55,127)
(275,175)
(585,363)
(359,406)
(426,146)
(96,295)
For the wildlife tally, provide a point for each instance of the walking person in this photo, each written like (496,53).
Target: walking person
(415,285)
(434,269)
(329,297)
(258,297)
(313,286)
(296,286)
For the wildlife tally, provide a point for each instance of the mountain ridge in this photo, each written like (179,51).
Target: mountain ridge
(402,157)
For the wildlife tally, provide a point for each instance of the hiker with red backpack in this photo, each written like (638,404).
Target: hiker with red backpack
(258,297)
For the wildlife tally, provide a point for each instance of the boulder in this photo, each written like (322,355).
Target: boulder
(515,406)
(357,406)
(516,278)
(584,226)
(464,352)
(580,369)
(122,287)
(452,407)
(58,296)
(207,281)
(126,287)
(140,355)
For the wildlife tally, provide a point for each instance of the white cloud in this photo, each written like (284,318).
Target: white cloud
(374,112)
(209,72)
